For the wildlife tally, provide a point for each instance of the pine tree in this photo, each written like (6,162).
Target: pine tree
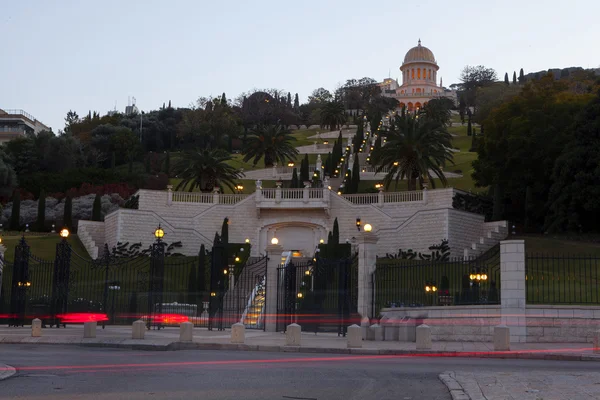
(521,77)
(296,103)
(289,100)
(335,236)
(168,163)
(97,208)
(225,231)
(41,213)
(469,127)
(355,175)
(294,183)
(223,99)
(68,213)
(506,81)
(514,78)
(15,215)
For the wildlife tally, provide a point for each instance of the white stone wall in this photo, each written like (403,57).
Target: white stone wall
(465,228)
(574,324)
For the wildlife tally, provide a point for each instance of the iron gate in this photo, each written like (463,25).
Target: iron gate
(320,295)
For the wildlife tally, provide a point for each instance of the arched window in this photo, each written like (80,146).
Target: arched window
(417,106)
(430,74)
(402,105)
(410,107)
(418,90)
(418,73)
(412,70)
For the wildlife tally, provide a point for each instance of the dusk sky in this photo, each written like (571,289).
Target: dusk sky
(84,55)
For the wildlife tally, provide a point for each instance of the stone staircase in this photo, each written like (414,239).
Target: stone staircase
(91,235)
(255,310)
(492,234)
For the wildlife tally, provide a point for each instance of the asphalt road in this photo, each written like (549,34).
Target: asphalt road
(70,372)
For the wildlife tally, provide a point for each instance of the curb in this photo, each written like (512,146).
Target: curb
(6,371)
(456,390)
(174,346)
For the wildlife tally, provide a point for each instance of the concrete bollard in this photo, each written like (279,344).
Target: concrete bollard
(364,327)
(597,342)
(501,338)
(238,333)
(138,329)
(186,332)
(89,329)
(36,328)
(293,335)
(376,333)
(391,330)
(406,330)
(354,335)
(423,337)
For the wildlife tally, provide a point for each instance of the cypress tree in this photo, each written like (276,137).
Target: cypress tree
(41,213)
(15,215)
(202,274)
(521,77)
(469,127)
(498,198)
(223,99)
(68,213)
(294,182)
(327,164)
(296,102)
(168,163)
(329,237)
(506,79)
(289,100)
(97,208)
(514,78)
(355,175)
(304,170)
(225,231)
(335,237)
(169,103)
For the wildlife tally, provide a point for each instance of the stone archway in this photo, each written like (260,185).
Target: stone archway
(302,236)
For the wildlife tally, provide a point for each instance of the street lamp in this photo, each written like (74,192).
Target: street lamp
(368,228)
(358,224)
(159,233)
(274,241)
(64,233)
(239,188)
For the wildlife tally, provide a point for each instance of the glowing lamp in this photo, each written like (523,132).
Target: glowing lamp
(307,272)
(427,288)
(368,228)
(247,240)
(484,277)
(321,241)
(300,295)
(159,233)
(225,272)
(274,241)
(290,164)
(472,277)
(237,259)
(64,233)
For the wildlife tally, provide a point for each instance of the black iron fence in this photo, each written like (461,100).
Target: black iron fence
(420,283)
(562,279)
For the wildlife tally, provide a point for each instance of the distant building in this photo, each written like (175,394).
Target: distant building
(419,80)
(18,123)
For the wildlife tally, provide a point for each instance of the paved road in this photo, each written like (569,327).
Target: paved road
(69,372)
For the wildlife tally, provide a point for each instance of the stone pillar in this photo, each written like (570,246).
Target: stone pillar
(36,327)
(89,329)
(305,192)
(169,195)
(354,336)
(367,257)
(293,335)
(238,333)
(273,262)
(274,170)
(278,192)
(380,198)
(186,332)
(216,196)
(319,166)
(501,338)
(423,337)
(425,194)
(138,329)
(512,288)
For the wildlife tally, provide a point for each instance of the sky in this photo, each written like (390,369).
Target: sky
(86,55)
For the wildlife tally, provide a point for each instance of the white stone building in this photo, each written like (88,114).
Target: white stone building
(419,80)
(299,218)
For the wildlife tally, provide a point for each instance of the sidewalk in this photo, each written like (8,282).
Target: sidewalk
(168,339)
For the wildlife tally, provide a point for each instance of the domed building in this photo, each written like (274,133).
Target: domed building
(419,80)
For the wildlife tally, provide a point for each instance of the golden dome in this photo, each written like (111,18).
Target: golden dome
(419,53)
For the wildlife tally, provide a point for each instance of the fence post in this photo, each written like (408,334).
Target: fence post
(380,198)
(60,286)
(18,293)
(367,258)
(157,277)
(216,195)
(512,288)
(273,261)
(425,194)
(169,195)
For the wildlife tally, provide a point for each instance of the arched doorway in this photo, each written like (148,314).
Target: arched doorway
(411,107)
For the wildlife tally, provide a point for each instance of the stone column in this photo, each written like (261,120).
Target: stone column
(273,262)
(380,198)
(169,195)
(512,288)
(216,195)
(367,257)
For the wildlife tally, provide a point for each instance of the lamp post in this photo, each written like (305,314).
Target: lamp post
(477,276)
(240,189)
(157,274)
(60,287)
(113,287)
(431,289)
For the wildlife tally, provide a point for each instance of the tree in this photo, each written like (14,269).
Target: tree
(168,163)
(473,78)
(41,211)
(416,148)
(438,110)
(506,81)
(223,101)
(289,100)
(97,208)
(332,115)
(225,231)
(295,183)
(273,142)
(8,177)
(572,200)
(296,103)
(514,81)
(68,213)
(320,95)
(15,215)
(498,203)
(469,127)
(71,119)
(335,236)
(355,175)
(126,144)
(521,77)
(205,169)
(304,171)
(203,274)
(462,107)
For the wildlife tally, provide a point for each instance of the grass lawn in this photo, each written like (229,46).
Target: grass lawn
(42,245)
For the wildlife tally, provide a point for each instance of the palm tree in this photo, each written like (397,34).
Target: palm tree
(417,147)
(273,142)
(205,169)
(333,114)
